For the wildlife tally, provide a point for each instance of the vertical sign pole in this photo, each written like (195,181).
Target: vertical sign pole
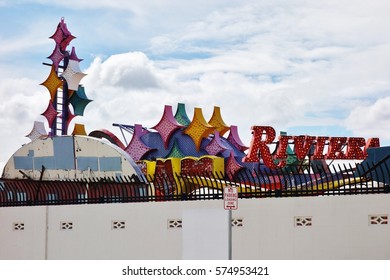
(230,197)
(230,234)
(65,101)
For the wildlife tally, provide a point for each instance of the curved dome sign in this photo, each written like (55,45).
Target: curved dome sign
(69,157)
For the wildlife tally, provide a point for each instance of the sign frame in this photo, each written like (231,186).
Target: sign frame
(230,198)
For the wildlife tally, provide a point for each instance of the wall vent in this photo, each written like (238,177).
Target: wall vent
(175,223)
(118,225)
(237,222)
(66,225)
(378,219)
(18,226)
(303,221)
(178,223)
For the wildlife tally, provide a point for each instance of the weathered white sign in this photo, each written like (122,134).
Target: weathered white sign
(230,198)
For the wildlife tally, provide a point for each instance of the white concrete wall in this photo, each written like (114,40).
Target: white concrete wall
(22,244)
(340,229)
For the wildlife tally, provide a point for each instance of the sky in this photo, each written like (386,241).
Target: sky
(305,67)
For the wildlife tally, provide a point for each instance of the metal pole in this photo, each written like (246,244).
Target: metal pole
(230,233)
(65,101)
(46,232)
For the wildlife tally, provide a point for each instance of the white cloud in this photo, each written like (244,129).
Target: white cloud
(128,70)
(22,103)
(371,120)
(22,44)
(285,64)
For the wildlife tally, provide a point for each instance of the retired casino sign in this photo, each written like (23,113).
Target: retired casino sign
(352,148)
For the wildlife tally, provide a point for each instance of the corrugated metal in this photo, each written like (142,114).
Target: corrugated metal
(163,187)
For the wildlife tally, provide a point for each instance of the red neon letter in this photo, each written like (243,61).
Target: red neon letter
(335,149)
(302,145)
(354,148)
(253,152)
(371,143)
(281,152)
(259,147)
(320,145)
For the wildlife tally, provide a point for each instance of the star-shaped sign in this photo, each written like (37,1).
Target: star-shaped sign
(198,128)
(38,131)
(79,101)
(62,35)
(181,115)
(136,148)
(73,74)
(73,55)
(52,83)
(235,140)
(167,125)
(50,114)
(57,56)
(217,121)
(79,129)
(232,166)
(215,146)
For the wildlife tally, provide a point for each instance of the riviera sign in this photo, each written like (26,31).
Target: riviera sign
(351,148)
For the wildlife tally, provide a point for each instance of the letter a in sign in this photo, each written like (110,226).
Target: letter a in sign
(230,198)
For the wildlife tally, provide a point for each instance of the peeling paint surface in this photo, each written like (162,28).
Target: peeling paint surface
(69,157)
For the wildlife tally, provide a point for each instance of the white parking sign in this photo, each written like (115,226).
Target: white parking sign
(230,198)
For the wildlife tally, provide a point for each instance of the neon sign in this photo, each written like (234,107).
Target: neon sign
(352,148)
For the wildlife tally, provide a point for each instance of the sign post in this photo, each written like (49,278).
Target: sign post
(230,198)
(230,202)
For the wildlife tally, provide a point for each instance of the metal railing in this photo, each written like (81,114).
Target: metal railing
(325,181)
